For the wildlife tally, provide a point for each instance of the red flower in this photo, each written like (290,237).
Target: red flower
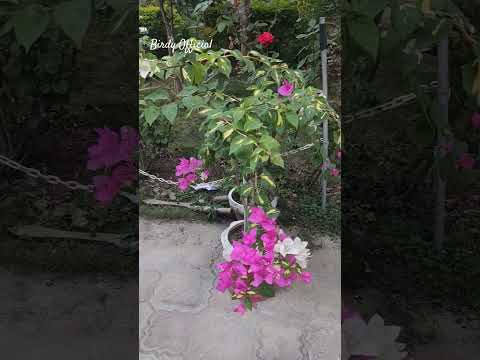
(266,39)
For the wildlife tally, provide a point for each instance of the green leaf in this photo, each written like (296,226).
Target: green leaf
(225,66)
(277,159)
(30,23)
(292,119)
(368,7)
(228,132)
(268,180)
(73,17)
(201,7)
(365,33)
(238,114)
(252,123)
(265,290)
(151,114)
(248,303)
(188,90)
(407,21)
(193,102)
(269,143)
(239,143)
(198,72)
(160,94)
(170,111)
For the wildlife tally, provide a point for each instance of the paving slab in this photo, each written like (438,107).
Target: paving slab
(65,316)
(183,317)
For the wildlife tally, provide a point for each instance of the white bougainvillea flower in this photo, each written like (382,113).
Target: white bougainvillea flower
(371,340)
(145,68)
(297,248)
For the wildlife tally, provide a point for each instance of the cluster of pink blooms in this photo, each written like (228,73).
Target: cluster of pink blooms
(254,262)
(188,171)
(286,89)
(114,153)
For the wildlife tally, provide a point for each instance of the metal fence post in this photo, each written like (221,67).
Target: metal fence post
(443,99)
(324,52)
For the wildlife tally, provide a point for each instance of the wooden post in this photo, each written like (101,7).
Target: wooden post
(326,162)
(443,99)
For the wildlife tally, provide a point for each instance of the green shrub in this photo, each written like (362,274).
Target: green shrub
(285,28)
(150,18)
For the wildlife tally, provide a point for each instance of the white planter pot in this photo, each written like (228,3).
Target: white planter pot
(224,237)
(239,209)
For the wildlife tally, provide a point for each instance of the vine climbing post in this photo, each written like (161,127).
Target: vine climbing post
(442,123)
(323,50)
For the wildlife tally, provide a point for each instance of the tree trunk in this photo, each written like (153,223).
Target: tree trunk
(244,16)
(168,23)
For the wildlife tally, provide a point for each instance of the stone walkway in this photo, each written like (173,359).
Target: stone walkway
(183,317)
(64,316)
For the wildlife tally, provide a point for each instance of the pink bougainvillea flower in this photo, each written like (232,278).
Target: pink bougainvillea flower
(111,148)
(335,172)
(286,89)
(125,174)
(250,237)
(466,161)
(106,188)
(106,152)
(258,216)
(224,283)
(306,277)
(476,120)
(240,269)
(265,39)
(186,170)
(240,309)
(262,275)
(269,239)
(239,251)
(195,164)
(224,266)
(129,142)
(188,166)
(240,286)
(183,168)
(339,154)
(184,183)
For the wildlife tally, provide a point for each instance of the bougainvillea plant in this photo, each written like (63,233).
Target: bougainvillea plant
(114,154)
(265,258)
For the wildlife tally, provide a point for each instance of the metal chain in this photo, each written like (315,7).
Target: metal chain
(156,178)
(51,179)
(303,148)
(390,105)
